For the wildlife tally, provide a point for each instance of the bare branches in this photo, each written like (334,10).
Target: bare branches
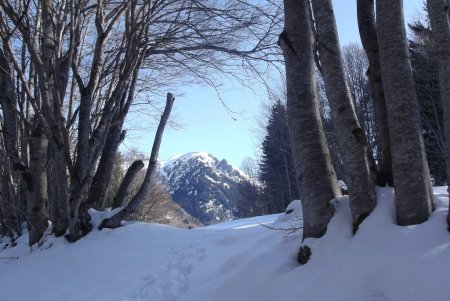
(114,221)
(291,228)
(79,65)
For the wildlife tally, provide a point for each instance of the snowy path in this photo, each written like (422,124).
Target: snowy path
(172,280)
(240,261)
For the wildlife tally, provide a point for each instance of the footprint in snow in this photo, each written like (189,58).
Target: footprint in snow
(172,281)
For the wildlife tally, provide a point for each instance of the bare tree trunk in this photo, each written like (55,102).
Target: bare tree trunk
(115,220)
(100,184)
(413,197)
(58,191)
(315,173)
(124,187)
(8,101)
(101,181)
(14,167)
(440,25)
(37,220)
(53,77)
(349,134)
(369,39)
(8,203)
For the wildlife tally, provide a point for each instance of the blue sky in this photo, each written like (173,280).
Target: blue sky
(208,126)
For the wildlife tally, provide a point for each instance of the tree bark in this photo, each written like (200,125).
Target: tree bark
(124,187)
(369,40)
(101,181)
(15,167)
(58,191)
(350,136)
(413,196)
(8,203)
(315,173)
(37,220)
(100,184)
(143,191)
(440,25)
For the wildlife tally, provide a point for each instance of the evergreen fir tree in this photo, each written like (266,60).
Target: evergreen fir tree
(277,171)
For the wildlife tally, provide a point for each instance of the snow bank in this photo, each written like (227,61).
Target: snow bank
(240,260)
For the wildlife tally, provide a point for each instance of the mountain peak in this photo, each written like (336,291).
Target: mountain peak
(203,185)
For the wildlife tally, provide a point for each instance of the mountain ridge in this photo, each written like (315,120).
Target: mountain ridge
(204,186)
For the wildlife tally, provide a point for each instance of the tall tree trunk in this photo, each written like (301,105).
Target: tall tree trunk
(8,101)
(53,77)
(14,167)
(100,184)
(143,191)
(124,187)
(58,190)
(413,197)
(440,25)
(315,173)
(350,136)
(101,181)
(369,39)
(37,220)
(10,221)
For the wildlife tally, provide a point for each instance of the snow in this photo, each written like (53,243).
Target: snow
(240,260)
(211,180)
(341,184)
(174,166)
(203,157)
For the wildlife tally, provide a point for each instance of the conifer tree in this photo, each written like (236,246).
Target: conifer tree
(277,165)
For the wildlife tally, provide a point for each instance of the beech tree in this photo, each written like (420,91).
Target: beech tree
(369,40)
(350,136)
(391,79)
(71,71)
(356,65)
(315,174)
(409,163)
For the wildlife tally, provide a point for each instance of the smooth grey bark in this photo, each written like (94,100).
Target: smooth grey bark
(53,79)
(125,185)
(8,203)
(369,40)
(37,220)
(143,191)
(79,203)
(350,136)
(87,93)
(438,12)
(100,184)
(102,178)
(14,168)
(413,196)
(8,102)
(315,172)
(58,191)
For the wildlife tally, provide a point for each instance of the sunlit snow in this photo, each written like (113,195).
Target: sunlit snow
(240,260)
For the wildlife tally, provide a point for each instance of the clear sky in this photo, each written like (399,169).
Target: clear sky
(208,126)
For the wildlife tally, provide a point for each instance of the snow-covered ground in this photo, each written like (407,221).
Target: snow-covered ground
(240,260)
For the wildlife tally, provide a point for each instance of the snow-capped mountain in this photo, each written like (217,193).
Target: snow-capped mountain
(207,188)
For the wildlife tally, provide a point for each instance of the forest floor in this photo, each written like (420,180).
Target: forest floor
(240,260)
